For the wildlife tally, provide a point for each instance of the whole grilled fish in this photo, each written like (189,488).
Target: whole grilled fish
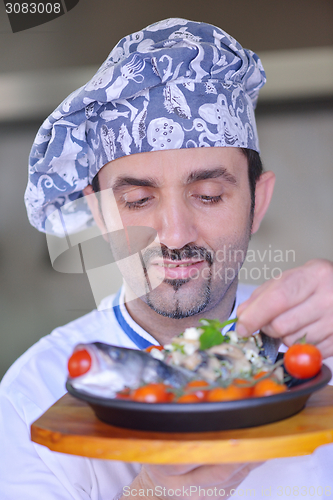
(113,368)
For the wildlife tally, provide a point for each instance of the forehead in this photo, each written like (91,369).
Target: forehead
(174,165)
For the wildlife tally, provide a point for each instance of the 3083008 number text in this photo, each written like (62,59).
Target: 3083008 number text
(33,8)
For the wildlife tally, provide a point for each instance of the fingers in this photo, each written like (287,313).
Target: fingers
(258,291)
(316,334)
(293,302)
(298,319)
(326,347)
(274,299)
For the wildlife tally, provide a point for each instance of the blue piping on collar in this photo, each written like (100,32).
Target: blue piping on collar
(139,341)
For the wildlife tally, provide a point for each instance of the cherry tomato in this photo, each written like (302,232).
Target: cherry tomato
(303,360)
(124,394)
(189,398)
(259,375)
(152,393)
(197,383)
(268,387)
(79,363)
(197,388)
(158,347)
(245,386)
(229,393)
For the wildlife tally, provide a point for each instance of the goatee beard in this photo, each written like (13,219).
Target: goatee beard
(187,252)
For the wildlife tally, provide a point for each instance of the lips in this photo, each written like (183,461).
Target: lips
(181,269)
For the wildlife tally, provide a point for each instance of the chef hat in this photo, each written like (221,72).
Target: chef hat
(175,84)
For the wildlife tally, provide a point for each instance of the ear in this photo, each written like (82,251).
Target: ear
(93,204)
(263,196)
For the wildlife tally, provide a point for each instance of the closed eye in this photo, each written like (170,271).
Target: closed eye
(132,205)
(208,200)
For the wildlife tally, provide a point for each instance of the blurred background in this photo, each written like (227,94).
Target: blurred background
(41,66)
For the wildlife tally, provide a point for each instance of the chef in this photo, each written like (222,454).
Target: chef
(163,137)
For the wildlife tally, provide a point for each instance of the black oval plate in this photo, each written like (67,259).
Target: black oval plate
(204,417)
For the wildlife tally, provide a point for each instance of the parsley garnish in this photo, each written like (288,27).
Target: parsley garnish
(212,332)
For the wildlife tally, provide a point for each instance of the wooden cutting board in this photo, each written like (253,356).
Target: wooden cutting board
(70,426)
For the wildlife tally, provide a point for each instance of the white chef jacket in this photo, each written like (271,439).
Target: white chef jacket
(29,471)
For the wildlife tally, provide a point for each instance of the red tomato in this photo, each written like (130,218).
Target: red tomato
(189,398)
(197,388)
(229,393)
(260,375)
(152,393)
(124,394)
(303,360)
(79,363)
(149,348)
(197,383)
(268,387)
(245,386)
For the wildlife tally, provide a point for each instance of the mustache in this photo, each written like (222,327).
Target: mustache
(187,252)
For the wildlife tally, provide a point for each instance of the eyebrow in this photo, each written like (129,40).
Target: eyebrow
(195,176)
(120,182)
(201,175)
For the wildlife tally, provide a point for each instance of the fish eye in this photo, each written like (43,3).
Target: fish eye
(115,355)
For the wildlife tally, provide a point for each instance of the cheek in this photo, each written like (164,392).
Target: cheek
(237,216)
(231,223)
(135,218)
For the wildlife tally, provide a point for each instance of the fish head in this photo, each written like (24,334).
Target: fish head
(111,369)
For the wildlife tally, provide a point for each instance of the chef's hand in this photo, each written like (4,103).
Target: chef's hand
(185,481)
(299,303)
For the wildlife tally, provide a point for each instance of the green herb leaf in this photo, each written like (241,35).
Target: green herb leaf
(212,332)
(178,347)
(209,338)
(302,340)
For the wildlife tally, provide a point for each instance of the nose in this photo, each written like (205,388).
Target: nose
(176,225)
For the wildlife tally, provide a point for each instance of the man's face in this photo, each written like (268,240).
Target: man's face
(198,200)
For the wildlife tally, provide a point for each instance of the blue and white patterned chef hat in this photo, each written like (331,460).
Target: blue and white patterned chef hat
(175,84)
